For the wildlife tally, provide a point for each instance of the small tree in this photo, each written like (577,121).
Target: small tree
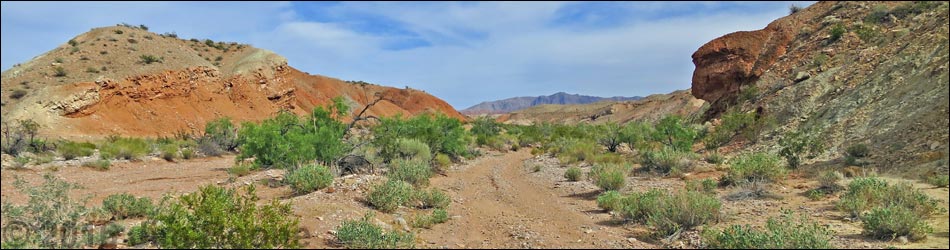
(609,136)
(149,59)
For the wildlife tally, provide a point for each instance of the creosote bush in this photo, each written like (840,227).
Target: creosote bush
(609,177)
(127,206)
(573,174)
(309,178)
(390,195)
(363,234)
(754,167)
(288,140)
(783,232)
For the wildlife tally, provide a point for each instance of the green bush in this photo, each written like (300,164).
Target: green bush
(72,150)
(483,128)
(754,167)
(441,162)
(681,211)
(636,135)
(100,164)
(674,132)
(222,133)
(168,151)
(443,134)
(836,32)
(855,153)
(705,185)
(667,160)
(390,195)
(415,172)
(796,144)
(413,149)
(124,148)
(432,199)
(363,234)
(609,136)
(215,217)
(187,153)
(829,181)
(894,221)
(610,200)
(426,221)
(241,169)
(939,180)
(715,158)
(286,140)
(17,94)
(573,174)
(780,233)
(309,178)
(867,193)
(59,71)
(609,177)
(608,158)
(149,59)
(571,150)
(51,219)
(732,122)
(127,206)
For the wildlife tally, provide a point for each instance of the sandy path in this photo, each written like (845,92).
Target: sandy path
(501,206)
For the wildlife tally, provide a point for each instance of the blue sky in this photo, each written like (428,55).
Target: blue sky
(462,52)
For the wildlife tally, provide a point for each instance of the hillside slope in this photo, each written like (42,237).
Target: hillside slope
(650,108)
(519,103)
(873,73)
(128,81)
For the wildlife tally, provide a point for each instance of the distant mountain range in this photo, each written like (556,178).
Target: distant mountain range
(518,103)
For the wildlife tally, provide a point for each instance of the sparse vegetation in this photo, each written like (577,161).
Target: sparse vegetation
(149,59)
(73,42)
(241,169)
(215,217)
(100,164)
(667,160)
(51,219)
(573,174)
(363,234)
(432,199)
(20,135)
(800,143)
(705,185)
(781,232)
(309,178)
(92,70)
(893,221)
(855,154)
(59,71)
(441,133)
(71,150)
(610,200)
(426,221)
(754,167)
(792,9)
(124,148)
(866,193)
(125,205)
(939,180)
(836,32)
(18,93)
(415,172)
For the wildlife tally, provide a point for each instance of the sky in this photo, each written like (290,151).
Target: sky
(462,52)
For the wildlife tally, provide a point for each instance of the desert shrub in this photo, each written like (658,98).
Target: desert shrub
(610,200)
(800,143)
(59,71)
(208,147)
(286,140)
(829,181)
(914,8)
(609,136)
(867,193)
(18,93)
(363,234)
(187,153)
(494,143)
(855,153)
(309,178)
(388,196)
(667,160)
(573,174)
(894,221)
(865,32)
(715,158)
(792,9)
(415,172)
(443,134)
(413,149)
(73,42)
(124,148)
(609,177)
(99,238)
(215,217)
(484,127)
(127,206)
(705,185)
(149,59)
(51,219)
(733,122)
(221,132)
(939,180)
(571,150)
(18,135)
(241,169)
(426,221)
(754,167)
(781,232)
(140,234)
(72,150)
(836,32)
(608,158)
(681,211)
(168,151)
(441,162)
(100,164)
(636,134)
(675,133)
(432,199)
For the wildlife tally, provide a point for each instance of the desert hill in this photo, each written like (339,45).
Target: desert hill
(126,80)
(650,108)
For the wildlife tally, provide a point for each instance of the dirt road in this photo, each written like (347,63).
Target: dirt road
(497,204)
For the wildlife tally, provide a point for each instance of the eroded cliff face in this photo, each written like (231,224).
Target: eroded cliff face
(883,82)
